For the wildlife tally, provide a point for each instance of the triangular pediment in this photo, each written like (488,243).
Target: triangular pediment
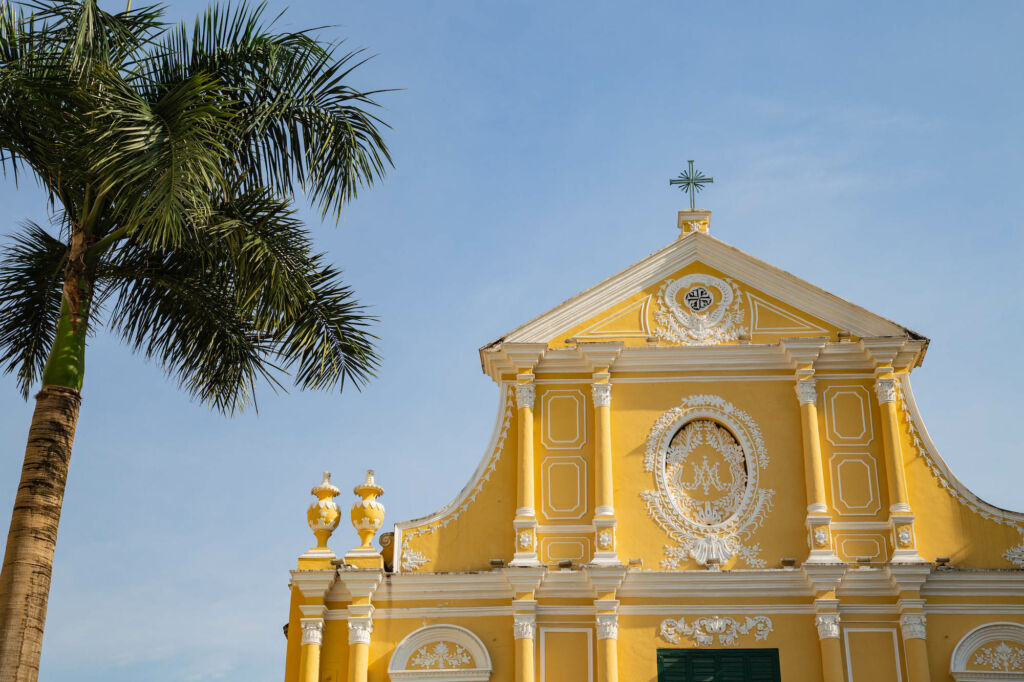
(701,291)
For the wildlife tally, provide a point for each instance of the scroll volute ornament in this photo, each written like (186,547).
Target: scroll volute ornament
(323,515)
(368,513)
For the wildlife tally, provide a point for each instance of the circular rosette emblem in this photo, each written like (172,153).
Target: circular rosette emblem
(699,309)
(706,457)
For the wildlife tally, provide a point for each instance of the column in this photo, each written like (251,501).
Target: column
(901,518)
(912,626)
(607,641)
(312,638)
(604,512)
(525,523)
(827,622)
(360,625)
(524,629)
(818,518)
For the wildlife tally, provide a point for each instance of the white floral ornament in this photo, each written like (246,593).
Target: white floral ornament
(702,318)
(1000,657)
(703,630)
(711,507)
(440,656)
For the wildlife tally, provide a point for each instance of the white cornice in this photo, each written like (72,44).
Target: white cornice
(716,254)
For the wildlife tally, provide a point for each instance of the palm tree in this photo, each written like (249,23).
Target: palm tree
(170,155)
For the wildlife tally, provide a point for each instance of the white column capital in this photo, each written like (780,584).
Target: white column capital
(359,629)
(913,625)
(312,631)
(525,395)
(828,625)
(607,626)
(885,390)
(806,391)
(602,394)
(524,625)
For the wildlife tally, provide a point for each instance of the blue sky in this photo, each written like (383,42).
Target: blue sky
(873,148)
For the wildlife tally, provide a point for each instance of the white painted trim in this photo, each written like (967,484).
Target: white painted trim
(696,379)
(549,441)
(543,650)
(860,525)
(567,528)
(1004,515)
(714,609)
(846,646)
(828,397)
(803,329)
(550,510)
(729,260)
(491,453)
(643,304)
(878,539)
(837,483)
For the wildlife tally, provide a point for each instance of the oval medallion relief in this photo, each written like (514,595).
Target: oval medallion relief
(706,457)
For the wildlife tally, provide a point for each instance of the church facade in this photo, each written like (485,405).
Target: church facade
(703,469)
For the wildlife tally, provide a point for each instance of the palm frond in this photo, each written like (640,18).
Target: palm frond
(31,275)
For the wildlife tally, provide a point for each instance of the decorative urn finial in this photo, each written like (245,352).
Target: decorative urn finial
(368,513)
(323,515)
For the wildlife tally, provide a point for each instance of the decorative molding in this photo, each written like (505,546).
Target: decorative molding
(704,629)
(700,320)
(828,625)
(602,394)
(312,631)
(406,530)
(874,503)
(525,395)
(720,529)
(545,630)
(912,625)
(607,626)
(524,625)
(922,443)
(799,326)
(806,391)
(1002,657)
(579,414)
(446,653)
(599,330)
(578,510)
(998,646)
(693,247)
(885,391)
(411,559)
(359,629)
(847,631)
(832,432)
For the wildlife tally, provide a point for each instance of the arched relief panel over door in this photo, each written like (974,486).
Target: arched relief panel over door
(994,651)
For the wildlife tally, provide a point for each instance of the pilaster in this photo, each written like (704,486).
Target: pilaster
(804,353)
(901,518)
(525,522)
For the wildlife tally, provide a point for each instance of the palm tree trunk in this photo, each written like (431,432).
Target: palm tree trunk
(28,559)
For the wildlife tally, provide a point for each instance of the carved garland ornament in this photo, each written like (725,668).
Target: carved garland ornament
(1002,657)
(706,456)
(703,630)
(699,310)
(441,656)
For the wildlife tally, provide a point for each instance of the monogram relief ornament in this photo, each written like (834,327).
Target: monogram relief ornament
(705,629)
(698,310)
(706,457)
(1001,657)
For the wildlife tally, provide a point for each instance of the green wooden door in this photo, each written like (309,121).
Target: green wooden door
(718,665)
